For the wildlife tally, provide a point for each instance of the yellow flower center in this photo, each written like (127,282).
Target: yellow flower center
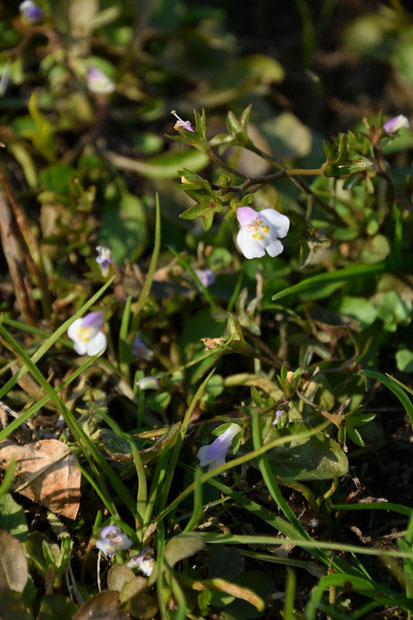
(84,333)
(258,229)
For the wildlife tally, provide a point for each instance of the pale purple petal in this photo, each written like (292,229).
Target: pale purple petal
(94,320)
(106,547)
(205,276)
(250,247)
(109,531)
(280,222)
(245,215)
(395,123)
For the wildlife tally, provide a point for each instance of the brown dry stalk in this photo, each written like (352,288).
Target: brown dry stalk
(29,246)
(12,248)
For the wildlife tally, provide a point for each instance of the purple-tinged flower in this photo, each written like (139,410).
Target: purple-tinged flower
(180,124)
(98,82)
(396,123)
(144,561)
(205,276)
(214,454)
(31,11)
(149,383)
(260,232)
(86,334)
(104,259)
(278,415)
(140,350)
(112,540)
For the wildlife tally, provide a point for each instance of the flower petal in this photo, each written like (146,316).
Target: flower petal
(249,246)
(245,215)
(73,329)
(274,248)
(279,221)
(97,344)
(80,347)
(202,454)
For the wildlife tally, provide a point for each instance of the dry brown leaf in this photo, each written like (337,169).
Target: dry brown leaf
(46,472)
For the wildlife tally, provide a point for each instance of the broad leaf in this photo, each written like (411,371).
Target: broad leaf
(314,458)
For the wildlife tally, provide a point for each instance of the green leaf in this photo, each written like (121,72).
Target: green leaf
(42,136)
(359,308)
(57,178)
(56,606)
(12,518)
(165,166)
(314,458)
(404,360)
(12,606)
(289,138)
(124,227)
(182,546)
(341,275)
(375,250)
(395,388)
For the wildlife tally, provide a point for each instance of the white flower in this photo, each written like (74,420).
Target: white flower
(98,82)
(31,11)
(86,334)
(144,561)
(214,454)
(206,277)
(149,383)
(395,123)
(112,540)
(260,232)
(104,259)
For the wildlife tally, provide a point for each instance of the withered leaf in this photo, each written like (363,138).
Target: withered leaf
(46,473)
(103,606)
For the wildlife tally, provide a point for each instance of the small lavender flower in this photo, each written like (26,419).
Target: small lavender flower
(112,540)
(31,11)
(86,334)
(214,454)
(205,276)
(149,383)
(260,232)
(140,350)
(182,124)
(98,82)
(104,259)
(278,415)
(396,123)
(144,561)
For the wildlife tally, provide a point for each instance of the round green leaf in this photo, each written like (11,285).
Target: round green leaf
(316,458)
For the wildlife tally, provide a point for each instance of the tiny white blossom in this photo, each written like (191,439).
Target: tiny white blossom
(260,232)
(86,334)
(214,454)
(149,383)
(206,276)
(104,259)
(144,561)
(98,82)
(112,540)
